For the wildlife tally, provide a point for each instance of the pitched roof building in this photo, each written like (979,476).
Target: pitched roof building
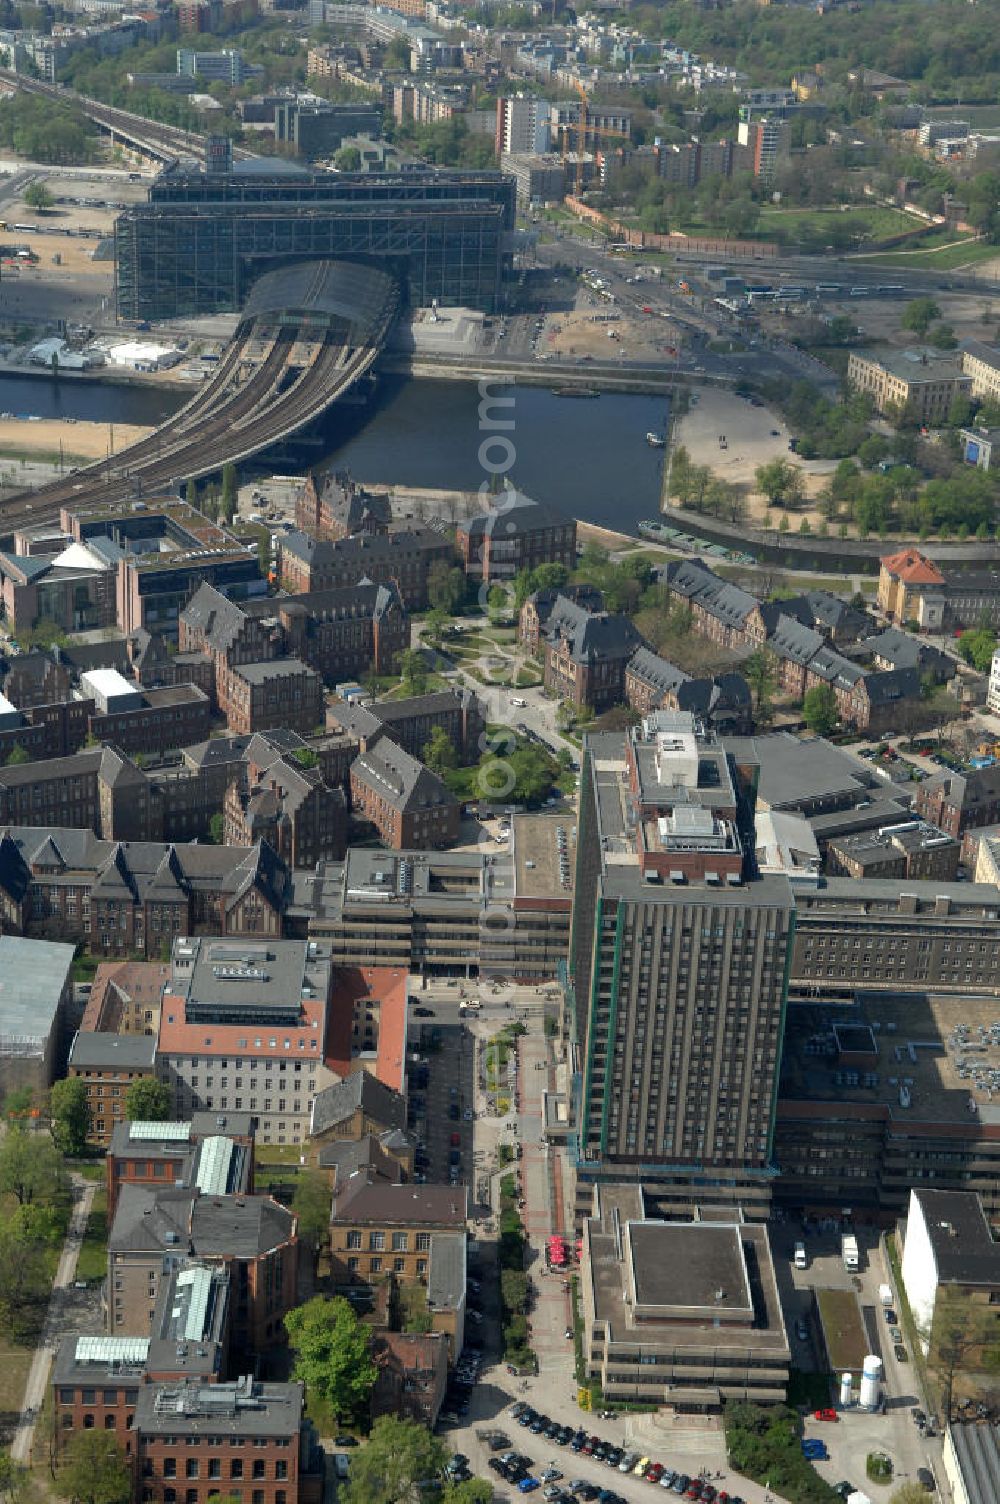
(515,532)
(410,807)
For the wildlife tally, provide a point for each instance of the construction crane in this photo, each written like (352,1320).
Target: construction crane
(581,128)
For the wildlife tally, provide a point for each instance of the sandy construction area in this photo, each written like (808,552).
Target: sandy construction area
(89,441)
(753,435)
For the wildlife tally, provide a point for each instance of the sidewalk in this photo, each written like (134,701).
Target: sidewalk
(38,1375)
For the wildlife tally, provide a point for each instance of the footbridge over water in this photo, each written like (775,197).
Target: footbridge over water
(309,331)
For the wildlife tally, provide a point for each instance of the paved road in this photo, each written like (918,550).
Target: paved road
(54,1326)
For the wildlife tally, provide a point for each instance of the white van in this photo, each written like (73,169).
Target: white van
(518,702)
(342,1465)
(472,1006)
(801,1262)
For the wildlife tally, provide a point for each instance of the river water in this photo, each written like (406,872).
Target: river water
(589,457)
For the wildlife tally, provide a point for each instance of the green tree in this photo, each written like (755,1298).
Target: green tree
(70,1116)
(18,1103)
(148,1101)
(497,598)
(471,1491)
(348,159)
(17,756)
(919,314)
(977,647)
(332,1354)
(440,752)
(25,1277)
(413,671)
(311,1203)
(228,499)
(191,493)
(759,672)
(37,196)
(31,1168)
(780,482)
(434,624)
(399,1457)
(959,411)
(445,586)
(909,1493)
(819,709)
(217,828)
(13,1477)
(93,1469)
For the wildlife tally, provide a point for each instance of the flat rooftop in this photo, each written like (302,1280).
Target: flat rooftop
(689,1270)
(740,1254)
(543,847)
(801,771)
(33,974)
(937,1058)
(243,980)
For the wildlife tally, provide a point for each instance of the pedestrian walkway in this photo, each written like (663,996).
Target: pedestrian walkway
(52,1328)
(542,1215)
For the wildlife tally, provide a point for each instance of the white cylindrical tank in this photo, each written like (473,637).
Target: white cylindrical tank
(871,1378)
(845,1389)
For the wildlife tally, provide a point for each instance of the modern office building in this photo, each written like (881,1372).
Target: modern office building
(202,239)
(683,1314)
(678,967)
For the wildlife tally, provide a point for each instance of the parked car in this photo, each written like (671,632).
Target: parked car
(826,1415)
(902,1356)
(926,1479)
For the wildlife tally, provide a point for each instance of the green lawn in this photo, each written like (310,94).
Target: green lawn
(14,1365)
(880,222)
(946,259)
(93,1261)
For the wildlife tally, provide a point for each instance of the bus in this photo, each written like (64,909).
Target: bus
(25,229)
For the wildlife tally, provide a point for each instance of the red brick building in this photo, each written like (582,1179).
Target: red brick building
(409,805)
(401,558)
(244,1437)
(336,507)
(512,534)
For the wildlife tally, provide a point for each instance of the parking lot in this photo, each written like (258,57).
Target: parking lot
(441,1108)
(857,1432)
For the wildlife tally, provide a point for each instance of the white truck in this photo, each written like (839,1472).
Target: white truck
(849,1252)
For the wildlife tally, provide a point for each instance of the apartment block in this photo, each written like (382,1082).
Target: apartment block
(411,722)
(654,683)
(981,363)
(677,966)
(585,655)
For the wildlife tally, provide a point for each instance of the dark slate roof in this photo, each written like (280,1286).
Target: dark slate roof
(320,552)
(352,505)
(131,868)
(239,1226)
(438,703)
(349,1156)
(516,513)
(360,1091)
(587,596)
(150,1219)
(694,581)
(791,640)
(99,1051)
(399,778)
(410,1204)
(895,684)
(15,874)
(217,618)
(657,672)
(836,614)
(593,636)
